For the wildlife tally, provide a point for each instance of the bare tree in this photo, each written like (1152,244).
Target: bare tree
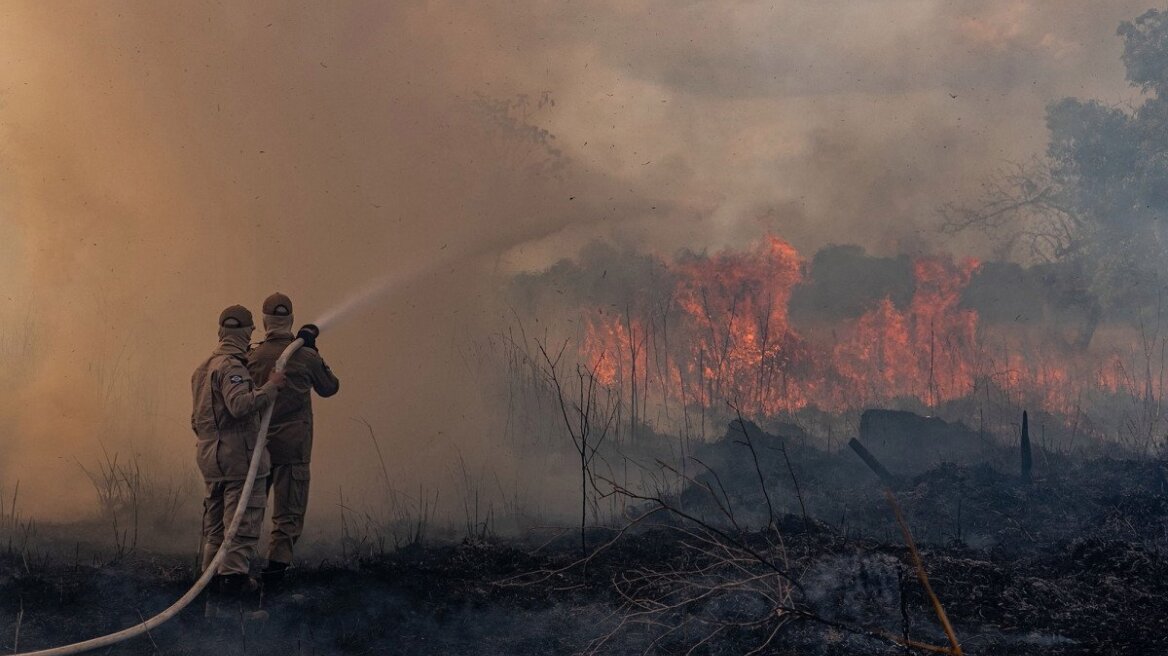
(587,417)
(1023,209)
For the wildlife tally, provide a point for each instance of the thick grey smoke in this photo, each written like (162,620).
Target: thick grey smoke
(158,162)
(844,122)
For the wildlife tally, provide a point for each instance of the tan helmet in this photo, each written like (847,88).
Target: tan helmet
(235,316)
(278,305)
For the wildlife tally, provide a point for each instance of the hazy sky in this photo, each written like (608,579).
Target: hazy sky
(159,161)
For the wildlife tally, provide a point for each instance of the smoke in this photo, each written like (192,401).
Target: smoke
(158,163)
(827,122)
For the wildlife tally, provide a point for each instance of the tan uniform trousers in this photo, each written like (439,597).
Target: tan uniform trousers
(289,493)
(219,503)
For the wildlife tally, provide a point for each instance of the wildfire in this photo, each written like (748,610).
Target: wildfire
(730,339)
(924,351)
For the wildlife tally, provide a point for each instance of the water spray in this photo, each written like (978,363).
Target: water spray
(363,297)
(228,538)
(373,290)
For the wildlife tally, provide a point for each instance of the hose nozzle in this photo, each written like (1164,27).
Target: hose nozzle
(308,334)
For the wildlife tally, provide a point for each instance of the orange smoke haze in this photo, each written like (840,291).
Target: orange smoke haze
(159,161)
(162,162)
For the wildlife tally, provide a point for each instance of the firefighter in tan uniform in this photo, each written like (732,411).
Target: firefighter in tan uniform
(290,433)
(226,417)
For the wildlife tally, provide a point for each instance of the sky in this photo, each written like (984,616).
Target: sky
(160,161)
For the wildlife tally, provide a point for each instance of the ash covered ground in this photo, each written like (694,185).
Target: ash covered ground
(774,545)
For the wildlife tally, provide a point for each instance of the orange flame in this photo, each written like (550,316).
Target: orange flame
(737,344)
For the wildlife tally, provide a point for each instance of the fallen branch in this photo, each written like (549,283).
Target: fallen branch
(922,576)
(918,564)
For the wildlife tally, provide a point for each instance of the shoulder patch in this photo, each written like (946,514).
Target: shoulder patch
(236,378)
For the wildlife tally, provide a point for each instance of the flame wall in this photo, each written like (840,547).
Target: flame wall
(732,340)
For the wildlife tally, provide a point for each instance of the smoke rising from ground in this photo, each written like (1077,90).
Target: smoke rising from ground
(158,163)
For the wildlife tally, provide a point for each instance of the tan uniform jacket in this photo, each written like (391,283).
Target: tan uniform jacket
(226,416)
(290,434)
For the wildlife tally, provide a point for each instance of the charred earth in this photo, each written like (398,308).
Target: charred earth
(810,561)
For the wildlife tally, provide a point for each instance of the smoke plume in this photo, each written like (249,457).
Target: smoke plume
(159,162)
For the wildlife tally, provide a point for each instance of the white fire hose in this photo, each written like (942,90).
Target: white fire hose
(228,538)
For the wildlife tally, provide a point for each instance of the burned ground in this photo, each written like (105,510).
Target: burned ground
(1071,563)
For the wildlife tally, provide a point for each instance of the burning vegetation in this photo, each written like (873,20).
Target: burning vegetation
(731,313)
(758,328)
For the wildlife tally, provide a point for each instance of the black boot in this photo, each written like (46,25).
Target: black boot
(218,599)
(233,597)
(273,576)
(235,586)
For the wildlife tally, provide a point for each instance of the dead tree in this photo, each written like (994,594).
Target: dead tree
(587,419)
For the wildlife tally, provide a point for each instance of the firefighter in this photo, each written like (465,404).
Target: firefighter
(226,419)
(290,433)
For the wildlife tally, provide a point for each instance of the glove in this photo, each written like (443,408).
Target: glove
(308,333)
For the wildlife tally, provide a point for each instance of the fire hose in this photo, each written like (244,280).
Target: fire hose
(229,536)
